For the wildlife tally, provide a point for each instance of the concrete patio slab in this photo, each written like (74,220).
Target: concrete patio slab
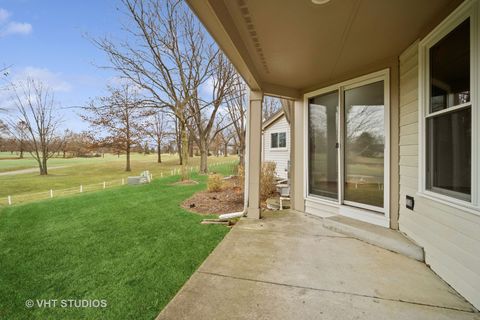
(288,266)
(382,237)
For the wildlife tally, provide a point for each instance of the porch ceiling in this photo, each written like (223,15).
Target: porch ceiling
(287,47)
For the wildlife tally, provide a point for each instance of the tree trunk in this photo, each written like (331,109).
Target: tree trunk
(159,152)
(179,128)
(128,168)
(21,149)
(225,149)
(184,153)
(203,157)
(190,145)
(241,154)
(43,166)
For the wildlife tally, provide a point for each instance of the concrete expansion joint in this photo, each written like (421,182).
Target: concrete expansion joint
(294,233)
(335,292)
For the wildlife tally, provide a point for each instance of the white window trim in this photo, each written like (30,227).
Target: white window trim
(358,211)
(468,9)
(278,148)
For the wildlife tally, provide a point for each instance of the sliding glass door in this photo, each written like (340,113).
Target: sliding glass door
(364,145)
(323,143)
(346,145)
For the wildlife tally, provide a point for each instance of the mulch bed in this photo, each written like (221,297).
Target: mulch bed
(185,183)
(229,200)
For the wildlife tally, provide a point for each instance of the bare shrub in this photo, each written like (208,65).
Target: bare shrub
(215,183)
(268,183)
(267,180)
(241,177)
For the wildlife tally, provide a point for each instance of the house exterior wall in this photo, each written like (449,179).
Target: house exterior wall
(280,156)
(449,235)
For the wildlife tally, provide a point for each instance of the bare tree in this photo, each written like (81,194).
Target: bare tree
(226,136)
(156,128)
(204,110)
(236,108)
(21,129)
(120,115)
(362,118)
(166,56)
(3,127)
(36,122)
(271,105)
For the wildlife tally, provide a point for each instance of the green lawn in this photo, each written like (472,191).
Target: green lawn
(132,246)
(85,171)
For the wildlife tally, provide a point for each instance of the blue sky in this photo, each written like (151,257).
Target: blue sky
(46,40)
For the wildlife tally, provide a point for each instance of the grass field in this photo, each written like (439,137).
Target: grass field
(83,171)
(132,246)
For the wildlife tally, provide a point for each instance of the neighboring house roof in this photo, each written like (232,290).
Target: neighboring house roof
(274,118)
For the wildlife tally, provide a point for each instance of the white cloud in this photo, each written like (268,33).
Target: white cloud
(4,15)
(13,27)
(53,80)
(8,27)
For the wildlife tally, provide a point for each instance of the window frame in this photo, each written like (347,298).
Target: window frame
(278,140)
(467,10)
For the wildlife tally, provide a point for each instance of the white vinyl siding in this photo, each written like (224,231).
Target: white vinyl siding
(450,235)
(280,156)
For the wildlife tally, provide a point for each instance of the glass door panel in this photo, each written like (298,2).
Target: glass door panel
(364,145)
(323,145)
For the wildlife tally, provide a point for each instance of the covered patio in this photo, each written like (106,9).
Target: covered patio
(288,266)
(383,113)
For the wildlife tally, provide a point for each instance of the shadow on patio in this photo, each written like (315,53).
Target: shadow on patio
(288,266)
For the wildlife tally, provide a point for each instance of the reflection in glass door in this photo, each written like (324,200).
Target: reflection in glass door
(364,145)
(323,146)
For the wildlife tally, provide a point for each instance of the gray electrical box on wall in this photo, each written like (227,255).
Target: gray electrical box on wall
(409,202)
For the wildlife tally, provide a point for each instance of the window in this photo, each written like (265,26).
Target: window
(448,56)
(278,140)
(449,121)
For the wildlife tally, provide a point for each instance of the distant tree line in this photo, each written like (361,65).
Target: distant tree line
(179,94)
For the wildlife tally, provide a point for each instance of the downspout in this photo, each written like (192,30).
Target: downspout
(235,215)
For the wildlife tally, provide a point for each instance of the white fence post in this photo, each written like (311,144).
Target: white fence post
(104,185)
(81,188)
(123,181)
(161,174)
(9,198)
(51,193)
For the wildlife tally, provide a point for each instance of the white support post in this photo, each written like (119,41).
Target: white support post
(297,178)
(104,185)
(123,181)
(254,155)
(161,174)
(81,188)
(51,193)
(9,199)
